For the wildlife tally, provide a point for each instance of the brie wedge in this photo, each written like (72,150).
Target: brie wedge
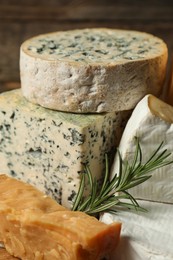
(144,236)
(152,122)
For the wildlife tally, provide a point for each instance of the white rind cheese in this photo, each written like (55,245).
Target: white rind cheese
(48,148)
(92,70)
(144,236)
(152,122)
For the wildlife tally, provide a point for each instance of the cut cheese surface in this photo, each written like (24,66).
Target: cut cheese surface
(42,229)
(92,70)
(48,148)
(96,45)
(152,122)
(160,109)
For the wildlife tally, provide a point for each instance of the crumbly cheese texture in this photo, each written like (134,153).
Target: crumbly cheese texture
(35,227)
(92,70)
(152,122)
(48,148)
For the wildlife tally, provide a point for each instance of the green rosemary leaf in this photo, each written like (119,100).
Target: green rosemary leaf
(155,152)
(103,199)
(125,175)
(131,198)
(125,205)
(94,192)
(114,193)
(102,208)
(79,194)
(137,156)
(136,182)
(120,168)
(84,205)
(106,175)
(87,170)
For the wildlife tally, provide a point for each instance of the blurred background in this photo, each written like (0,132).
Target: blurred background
(22,19)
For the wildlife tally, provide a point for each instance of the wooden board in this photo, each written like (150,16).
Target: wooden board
(5,256)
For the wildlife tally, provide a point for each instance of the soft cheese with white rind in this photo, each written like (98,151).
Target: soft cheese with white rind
(92,70)
(152,122)
(144,236)
(48,148)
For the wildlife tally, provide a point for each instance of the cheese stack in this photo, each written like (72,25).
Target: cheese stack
(80,87)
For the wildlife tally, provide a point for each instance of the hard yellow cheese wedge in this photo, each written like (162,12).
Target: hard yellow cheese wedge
(35,227)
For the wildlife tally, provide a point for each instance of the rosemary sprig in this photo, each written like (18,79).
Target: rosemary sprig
(114,193)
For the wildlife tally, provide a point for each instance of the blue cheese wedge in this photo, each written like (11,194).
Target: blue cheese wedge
(47,148)
(152,122)
(92,70)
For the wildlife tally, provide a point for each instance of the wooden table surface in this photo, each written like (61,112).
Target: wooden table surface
(20,20)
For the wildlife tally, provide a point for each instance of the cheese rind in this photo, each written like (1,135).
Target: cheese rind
(152,122)
(92,70)
(148,235)
(35,227)
(48,148)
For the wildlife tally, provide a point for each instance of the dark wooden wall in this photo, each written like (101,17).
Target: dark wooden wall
(21,19)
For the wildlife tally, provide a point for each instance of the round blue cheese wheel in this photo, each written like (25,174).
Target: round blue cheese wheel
(92,70)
